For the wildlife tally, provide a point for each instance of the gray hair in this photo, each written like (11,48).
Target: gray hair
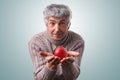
(58,11)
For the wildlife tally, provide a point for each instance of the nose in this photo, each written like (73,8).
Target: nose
(57,28)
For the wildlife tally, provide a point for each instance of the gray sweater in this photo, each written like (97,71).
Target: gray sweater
(43,42)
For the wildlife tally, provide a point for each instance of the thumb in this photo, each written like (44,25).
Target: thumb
(45,54)
(73,53)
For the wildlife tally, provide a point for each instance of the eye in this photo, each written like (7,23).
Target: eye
(61,23)
(52,23)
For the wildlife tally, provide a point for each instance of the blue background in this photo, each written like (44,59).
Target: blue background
(98,21)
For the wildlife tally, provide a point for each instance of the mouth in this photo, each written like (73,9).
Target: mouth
(57,34)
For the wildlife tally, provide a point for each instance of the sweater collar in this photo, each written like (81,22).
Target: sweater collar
(57,43)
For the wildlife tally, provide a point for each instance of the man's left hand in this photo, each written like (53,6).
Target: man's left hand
(69,59)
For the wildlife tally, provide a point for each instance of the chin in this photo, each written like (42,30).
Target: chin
(57,39)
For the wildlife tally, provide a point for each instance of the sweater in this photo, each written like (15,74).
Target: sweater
(43,42)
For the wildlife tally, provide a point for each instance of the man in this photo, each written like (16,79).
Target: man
(46,65)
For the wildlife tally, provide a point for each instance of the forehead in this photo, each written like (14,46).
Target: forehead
(57,19)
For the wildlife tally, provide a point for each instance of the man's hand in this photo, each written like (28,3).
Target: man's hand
(73,53)
(69,59)
(52,61)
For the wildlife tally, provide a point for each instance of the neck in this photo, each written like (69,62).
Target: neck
(57,42)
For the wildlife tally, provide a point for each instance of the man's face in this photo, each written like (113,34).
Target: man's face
(57,27)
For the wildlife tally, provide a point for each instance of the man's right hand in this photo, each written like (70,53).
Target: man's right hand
(52,61)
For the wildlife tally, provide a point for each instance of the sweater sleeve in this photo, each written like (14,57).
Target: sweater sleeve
(41,72)
(72,71)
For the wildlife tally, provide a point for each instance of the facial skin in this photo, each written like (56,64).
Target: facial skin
(57,28)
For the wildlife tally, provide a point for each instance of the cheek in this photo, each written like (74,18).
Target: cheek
(65,29)
(50,30)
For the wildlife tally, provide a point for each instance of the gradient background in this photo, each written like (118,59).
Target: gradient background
(98,21)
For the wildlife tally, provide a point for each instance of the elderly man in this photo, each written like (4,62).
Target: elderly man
(47,66)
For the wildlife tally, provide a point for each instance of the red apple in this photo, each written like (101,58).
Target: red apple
(60,52)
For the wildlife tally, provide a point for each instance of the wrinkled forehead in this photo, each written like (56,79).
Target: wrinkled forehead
(57,19)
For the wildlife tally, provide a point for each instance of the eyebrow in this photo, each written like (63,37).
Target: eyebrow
(62,20)
(52,20)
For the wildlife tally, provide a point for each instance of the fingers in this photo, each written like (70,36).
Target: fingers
(73,53)
(70,53)
(49,58)
(45,54)
(55,61)
(52,62)
(67,61)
